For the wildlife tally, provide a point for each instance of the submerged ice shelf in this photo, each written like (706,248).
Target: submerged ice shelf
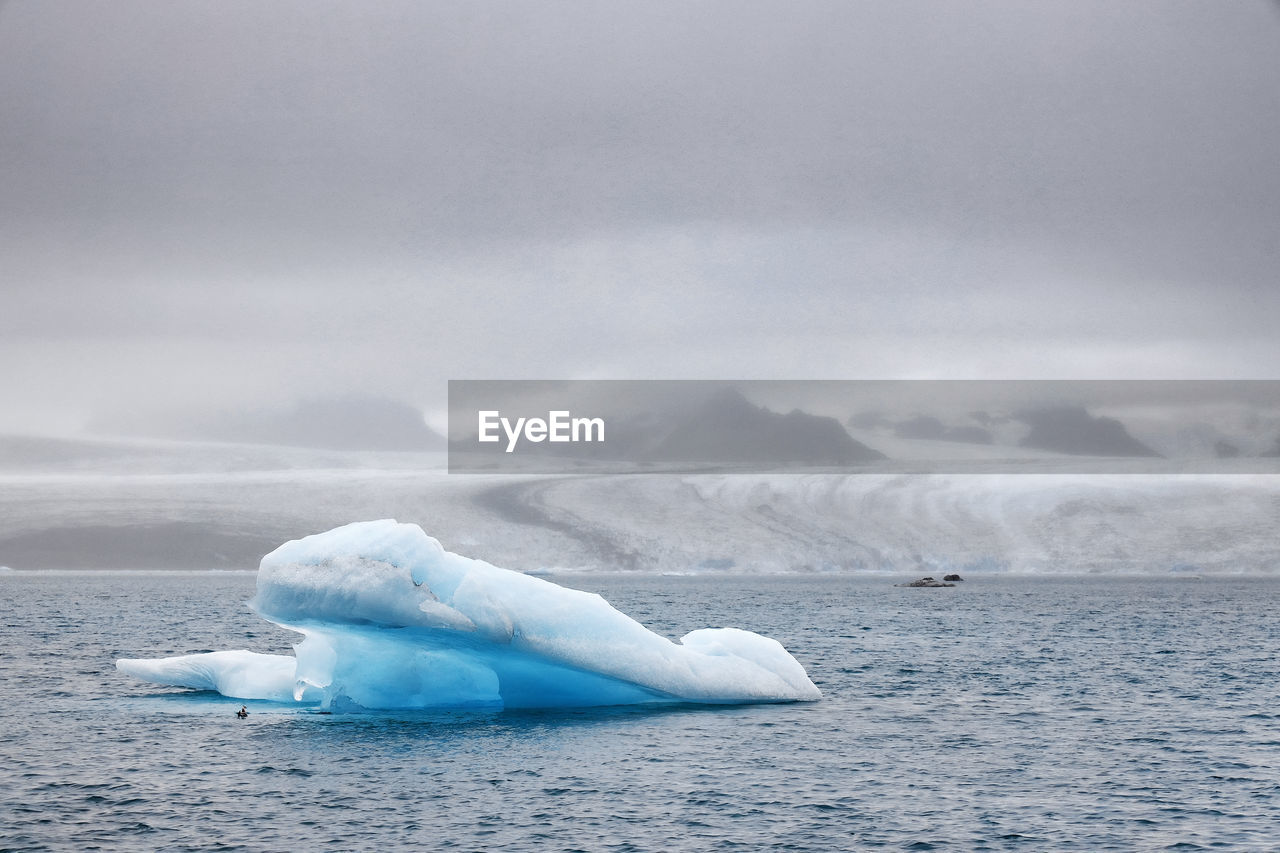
(391,620)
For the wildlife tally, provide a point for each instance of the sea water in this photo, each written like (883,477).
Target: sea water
(1072,713)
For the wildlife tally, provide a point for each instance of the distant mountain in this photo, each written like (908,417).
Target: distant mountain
(352,422)
(1071,429)
(729,428)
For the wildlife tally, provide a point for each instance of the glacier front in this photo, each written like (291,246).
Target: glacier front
(391,620)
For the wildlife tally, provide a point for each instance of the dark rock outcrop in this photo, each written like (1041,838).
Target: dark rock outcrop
(1071,429)
(729,428)
(1223,449)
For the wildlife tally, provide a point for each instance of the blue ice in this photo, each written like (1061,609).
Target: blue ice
(391,620)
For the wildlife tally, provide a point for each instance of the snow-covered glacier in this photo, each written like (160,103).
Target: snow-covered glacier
(391,620)
(921,524)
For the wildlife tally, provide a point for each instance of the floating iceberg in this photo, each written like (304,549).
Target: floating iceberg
(391,620)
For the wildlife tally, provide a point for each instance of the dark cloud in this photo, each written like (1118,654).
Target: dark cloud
(381,196)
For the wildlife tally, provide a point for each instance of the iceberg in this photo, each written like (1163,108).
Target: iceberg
(391,620)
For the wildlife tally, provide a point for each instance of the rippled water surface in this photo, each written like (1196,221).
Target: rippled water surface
(1007,713)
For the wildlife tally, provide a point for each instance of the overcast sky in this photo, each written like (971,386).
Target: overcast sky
(216,204)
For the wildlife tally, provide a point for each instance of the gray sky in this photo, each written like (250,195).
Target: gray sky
(216,204)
